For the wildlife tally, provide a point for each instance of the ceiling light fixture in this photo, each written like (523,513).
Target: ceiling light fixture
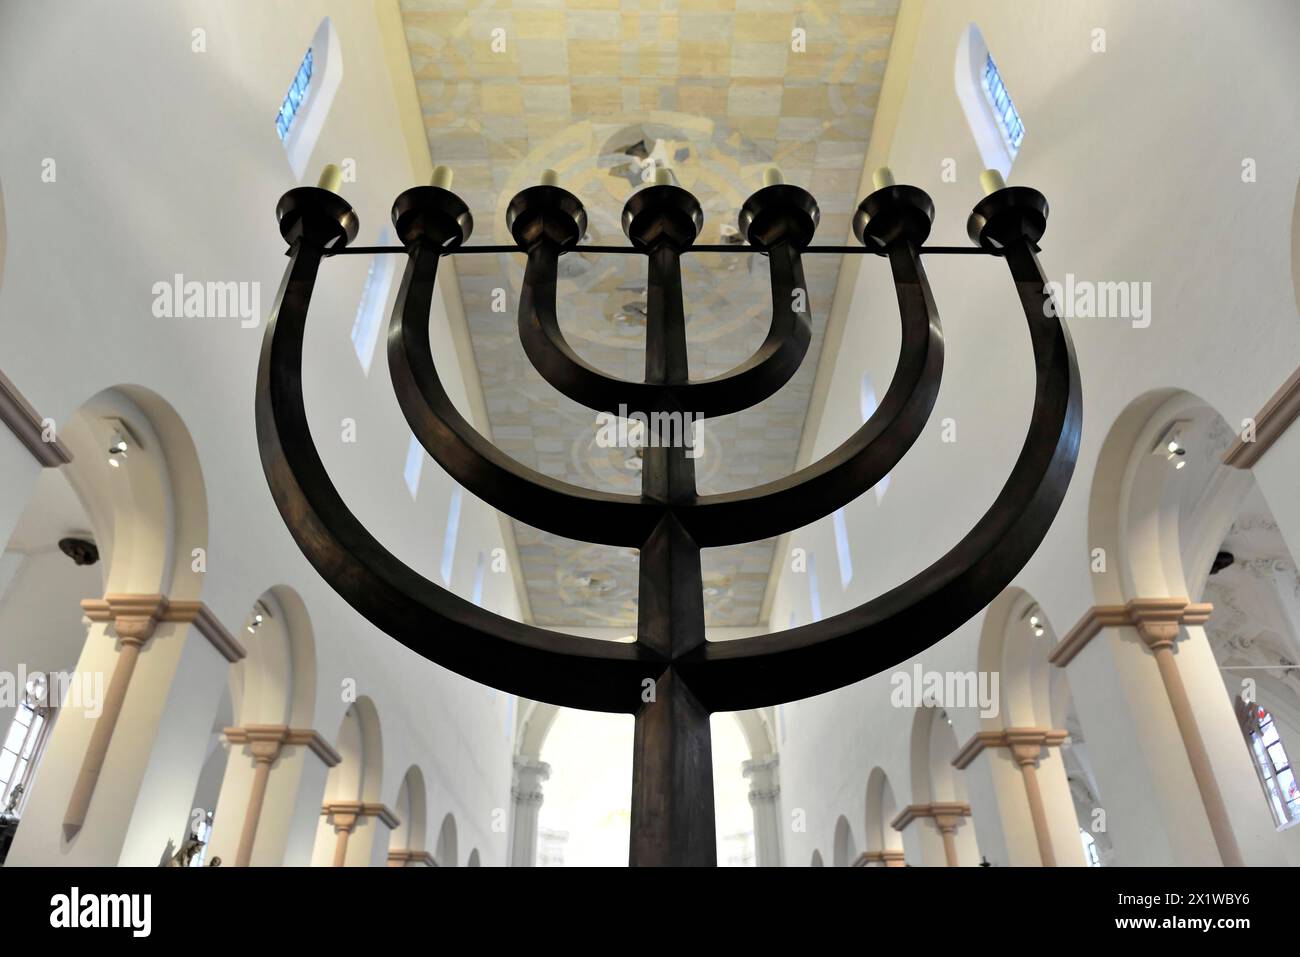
(670,522)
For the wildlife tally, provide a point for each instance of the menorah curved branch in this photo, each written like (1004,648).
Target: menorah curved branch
(760,376)
(671,678)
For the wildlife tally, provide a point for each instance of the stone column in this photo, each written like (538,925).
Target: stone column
(526,793)
(1159,626)
(1175,761)
(355,826)
(280,825)
(765,799)
(120,769)
(1019,753)
(946,817)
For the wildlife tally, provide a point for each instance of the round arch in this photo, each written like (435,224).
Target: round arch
(1162,501)
(136,471)
(445,853)
(845,849)
(1015,640)
(881,809)
(412,813)
(276,682)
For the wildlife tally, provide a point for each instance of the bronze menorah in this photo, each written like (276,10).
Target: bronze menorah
(671,678)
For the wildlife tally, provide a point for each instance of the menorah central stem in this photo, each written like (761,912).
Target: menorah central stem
(672,763)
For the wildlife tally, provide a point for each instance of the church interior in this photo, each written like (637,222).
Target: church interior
(199,665)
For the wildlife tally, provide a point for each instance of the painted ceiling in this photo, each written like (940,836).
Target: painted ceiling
(605,91)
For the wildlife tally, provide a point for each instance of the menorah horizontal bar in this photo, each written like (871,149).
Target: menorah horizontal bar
(671,678)
(724,248)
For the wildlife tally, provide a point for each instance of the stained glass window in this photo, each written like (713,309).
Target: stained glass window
(1013,130)
(1274,767)
(1089,849)
(294,98)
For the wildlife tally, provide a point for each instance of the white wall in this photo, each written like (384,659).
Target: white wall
(168,162)
(1139,151)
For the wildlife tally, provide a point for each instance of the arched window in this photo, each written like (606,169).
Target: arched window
(994,121)
(20,752)
(1271,761)
(374,297)
(302,112)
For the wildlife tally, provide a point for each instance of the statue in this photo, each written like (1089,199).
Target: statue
(11,808)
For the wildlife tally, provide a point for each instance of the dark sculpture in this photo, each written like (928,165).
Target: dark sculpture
(671,679)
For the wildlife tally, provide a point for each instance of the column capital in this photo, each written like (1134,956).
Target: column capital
(763,764)
(408,858)
(1157,620)
(1025,744)
(261,738)
(524,764)
(135,617)
(946,814)
(345,814)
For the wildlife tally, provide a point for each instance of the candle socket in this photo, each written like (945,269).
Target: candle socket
(442,176)
(991,181)
(331,178)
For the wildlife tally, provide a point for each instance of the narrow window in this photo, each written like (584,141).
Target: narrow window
(480,573)
(374,297)
(867,405)
(814,589)
(992,117)
(306,104)
(449,539)
(842,547)
(414,463)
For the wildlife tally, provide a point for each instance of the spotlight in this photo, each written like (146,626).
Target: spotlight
(117,449)
(260,614)
(1171,445)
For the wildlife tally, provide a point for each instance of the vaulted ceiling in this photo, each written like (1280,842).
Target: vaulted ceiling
(602,90)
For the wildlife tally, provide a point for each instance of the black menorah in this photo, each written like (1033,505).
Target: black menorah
(671,679)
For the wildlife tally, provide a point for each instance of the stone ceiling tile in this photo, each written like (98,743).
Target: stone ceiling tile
(759,59)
